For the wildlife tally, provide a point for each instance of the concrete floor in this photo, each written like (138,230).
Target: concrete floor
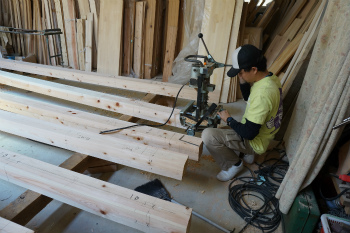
(199,190)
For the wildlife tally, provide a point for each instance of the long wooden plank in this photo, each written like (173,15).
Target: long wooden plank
(84,8)
(191,146)
(141,85)
(139,51)
(275,49)
(290,16)
(128,35)
(125,206)
(49,26)
(143,157)
(109,102)
(232,46)
(30,203)
(172,26)
(69,21)
(216,29)
(59,15)
(96,15)
(88,41)
(150,37)
(286,55)
(7,226)
(81,43)
(110,35)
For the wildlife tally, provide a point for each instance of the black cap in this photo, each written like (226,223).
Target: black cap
(244,57)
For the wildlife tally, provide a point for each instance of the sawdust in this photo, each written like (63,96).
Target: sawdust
(193,165)
(208,158)
(203,123)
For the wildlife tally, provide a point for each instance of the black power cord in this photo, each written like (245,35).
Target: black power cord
(131,126)
(268,217)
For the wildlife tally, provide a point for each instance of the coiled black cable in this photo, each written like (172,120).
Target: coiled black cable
(268,217)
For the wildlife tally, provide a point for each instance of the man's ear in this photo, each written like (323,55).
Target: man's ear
(255,70)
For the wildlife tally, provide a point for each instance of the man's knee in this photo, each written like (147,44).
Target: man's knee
(207,135)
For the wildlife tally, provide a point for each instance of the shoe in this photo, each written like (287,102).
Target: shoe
(230,173)
(250,159)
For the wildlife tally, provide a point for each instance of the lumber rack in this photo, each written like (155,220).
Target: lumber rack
(46,33)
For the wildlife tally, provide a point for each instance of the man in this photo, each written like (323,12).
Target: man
(261,120)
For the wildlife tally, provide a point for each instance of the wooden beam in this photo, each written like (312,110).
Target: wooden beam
(143,157)
(139,50)
(49,26)
(109,102)
(59,15)
(125,206)
(232,46)
(88,42)
(110,35)
(7,226)
(286,55)
(141,85)
(30,203)
(84,8)
(150,37)
(172,26)
(128,36)
(96,15)
(80,43)
(70,29)
(191,146)
(216,29)
(289,17)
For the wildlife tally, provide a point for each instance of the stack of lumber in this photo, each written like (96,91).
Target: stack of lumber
(284,30)
(145,148)
(131,37)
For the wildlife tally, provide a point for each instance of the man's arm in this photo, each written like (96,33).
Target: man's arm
(249,130)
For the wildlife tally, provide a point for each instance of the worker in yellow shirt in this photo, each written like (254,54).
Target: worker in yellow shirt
(262,118)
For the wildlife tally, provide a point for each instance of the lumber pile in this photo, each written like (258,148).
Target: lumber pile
(284,30)
(143,38)
(145,148)
(128,207)
(117,37)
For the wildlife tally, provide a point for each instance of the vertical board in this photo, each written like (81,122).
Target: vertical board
(128,36)
(172,26)
(216,29)
(232,46)
(139,39)
(88,41)
(80,43)
(59,15)
(69,19)
(110,35)
(149,37)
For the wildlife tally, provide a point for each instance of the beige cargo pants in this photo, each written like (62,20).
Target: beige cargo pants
(224,145)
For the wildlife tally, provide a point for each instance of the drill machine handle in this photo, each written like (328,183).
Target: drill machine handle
(189,59)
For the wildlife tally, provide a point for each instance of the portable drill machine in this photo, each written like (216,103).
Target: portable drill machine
(200,116)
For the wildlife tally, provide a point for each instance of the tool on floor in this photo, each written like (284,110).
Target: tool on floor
(156,189)
(200,116)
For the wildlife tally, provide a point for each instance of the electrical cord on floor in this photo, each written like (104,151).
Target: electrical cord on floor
(131,126)
(336,197)
(268,217)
